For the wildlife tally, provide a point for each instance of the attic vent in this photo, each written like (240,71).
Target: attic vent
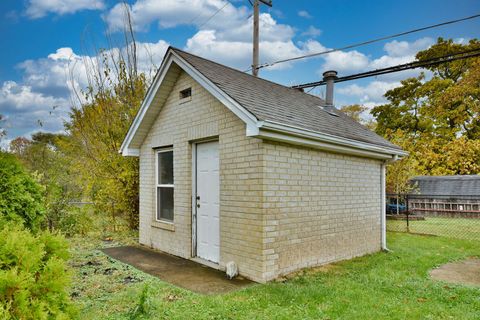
(327,110)
(186,93)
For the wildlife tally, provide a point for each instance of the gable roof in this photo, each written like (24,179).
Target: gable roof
(270,101)
(448,186)
(270,110)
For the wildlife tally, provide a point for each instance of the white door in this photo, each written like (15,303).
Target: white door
(207,201)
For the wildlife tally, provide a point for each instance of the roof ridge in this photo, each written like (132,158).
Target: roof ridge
(244,73)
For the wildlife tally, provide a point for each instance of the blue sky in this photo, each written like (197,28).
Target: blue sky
(42,39)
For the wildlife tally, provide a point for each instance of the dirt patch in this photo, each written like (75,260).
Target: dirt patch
(465,272)
(180,272)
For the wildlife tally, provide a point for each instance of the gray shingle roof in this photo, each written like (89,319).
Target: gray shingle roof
(270,101)
(458,186)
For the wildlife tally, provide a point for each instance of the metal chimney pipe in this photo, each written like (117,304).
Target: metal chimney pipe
(329,77)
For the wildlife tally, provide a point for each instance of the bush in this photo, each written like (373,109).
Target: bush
(33,275)
(78,220)
(20,195)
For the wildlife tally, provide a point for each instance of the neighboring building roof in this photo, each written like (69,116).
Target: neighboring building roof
(267,100)
(269,110)
(457,186)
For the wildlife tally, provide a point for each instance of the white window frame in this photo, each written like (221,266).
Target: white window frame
(158,185)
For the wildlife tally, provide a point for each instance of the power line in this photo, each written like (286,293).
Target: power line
(366,42)
(213,15)
(402,67)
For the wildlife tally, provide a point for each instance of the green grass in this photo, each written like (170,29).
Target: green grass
(459,228)
(391,285)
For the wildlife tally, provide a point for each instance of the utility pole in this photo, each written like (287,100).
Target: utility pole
(256,13)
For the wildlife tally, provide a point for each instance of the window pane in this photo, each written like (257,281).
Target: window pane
(164,203)
(165,167)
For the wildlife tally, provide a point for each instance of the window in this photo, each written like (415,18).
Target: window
(164,184)
(186,93)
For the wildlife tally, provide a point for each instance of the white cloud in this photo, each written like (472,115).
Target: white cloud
(40,8)
(27,110)
(345,61)
(312,32)
(168,14)
(45,94)
(223,35)
(19,97)
(397,52)
(304,14)
(238,53)
(372,92)
(404,48)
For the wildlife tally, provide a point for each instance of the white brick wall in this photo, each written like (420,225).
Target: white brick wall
(319,207)
(240,178)
(282,207)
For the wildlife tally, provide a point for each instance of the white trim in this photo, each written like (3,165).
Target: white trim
(194,192)
(158,185)
(383,211)
(171,57)
(210,264)
(294,135)
(254,128)
(224,98)
(131,152)
(194,199)
(157,81)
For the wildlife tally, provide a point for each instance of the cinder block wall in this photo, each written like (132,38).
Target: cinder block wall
(241,215)
(319,207)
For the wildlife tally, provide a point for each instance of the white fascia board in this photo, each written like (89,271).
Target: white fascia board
(130,152)
(157,81)
(294,135)
(249,119)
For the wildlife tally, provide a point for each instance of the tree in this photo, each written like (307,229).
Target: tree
(354,111)
(358,113)
(19,146)
(43,157)
(99,124)
(20,195)
(34,276)
(3,132)
(436,116)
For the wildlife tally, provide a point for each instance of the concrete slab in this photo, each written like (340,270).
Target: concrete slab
(461,272)
(177,271)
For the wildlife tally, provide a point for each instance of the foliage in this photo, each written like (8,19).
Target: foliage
(43,156)
(96,132)
(77,220)
(142,306)
(98,126)
(354,111)
(3,132)
(20,195)
(435,117)
(357,113)
(33,275)
(392,285)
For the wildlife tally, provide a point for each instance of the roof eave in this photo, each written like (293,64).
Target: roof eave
(284,133)
(255,128)
(171,56)
(125,148)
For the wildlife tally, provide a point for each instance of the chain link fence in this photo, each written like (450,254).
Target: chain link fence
(455,217)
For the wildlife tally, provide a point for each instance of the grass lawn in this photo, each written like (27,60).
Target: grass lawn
(468,229)
(391,285)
